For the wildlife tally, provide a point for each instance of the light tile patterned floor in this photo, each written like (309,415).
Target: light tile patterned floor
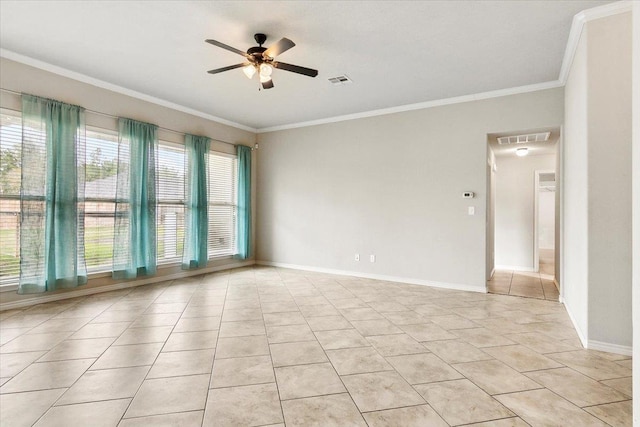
(527,284)
(267,347)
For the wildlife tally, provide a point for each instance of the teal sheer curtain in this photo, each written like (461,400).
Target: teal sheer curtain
(51,196)
(196,215)
(134,244)
(243,224)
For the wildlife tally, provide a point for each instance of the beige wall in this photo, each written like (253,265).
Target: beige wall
(609,151)
(22,78)
(391,186)
(515,206)
(573,287)
(597,185)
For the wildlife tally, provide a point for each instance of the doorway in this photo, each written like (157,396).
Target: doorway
(522,229)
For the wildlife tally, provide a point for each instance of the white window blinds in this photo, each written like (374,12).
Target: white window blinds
(170,177)
(223,178)
(100,194)
(10,149)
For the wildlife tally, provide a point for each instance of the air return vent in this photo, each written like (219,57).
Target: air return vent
(522,139)
(340,80)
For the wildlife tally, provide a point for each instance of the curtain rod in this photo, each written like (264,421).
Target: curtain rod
(116,117)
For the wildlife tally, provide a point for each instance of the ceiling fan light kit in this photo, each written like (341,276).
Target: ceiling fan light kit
(261,60)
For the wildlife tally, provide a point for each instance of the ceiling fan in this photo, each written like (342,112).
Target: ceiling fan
(260,60)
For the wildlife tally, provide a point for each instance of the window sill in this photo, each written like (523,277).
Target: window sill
(8,288)
(13,287)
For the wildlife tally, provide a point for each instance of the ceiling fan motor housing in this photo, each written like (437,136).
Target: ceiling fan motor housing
(257,51)
(260,38)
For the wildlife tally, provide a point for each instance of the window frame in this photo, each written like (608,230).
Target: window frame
(105,269)
(234,205)
(176,260)
(11,283)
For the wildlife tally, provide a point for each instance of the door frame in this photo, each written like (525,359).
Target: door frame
(536,225)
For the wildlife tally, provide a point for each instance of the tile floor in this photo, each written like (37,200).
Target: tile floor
(525,284)
(272,347)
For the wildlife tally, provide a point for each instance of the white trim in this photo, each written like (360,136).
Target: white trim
(536,218)
(560,192)
(536,238)
(581,336)
(419,106)
(578,25)
(13,56)
(411,281)
(572,45)
(625,350)
(515,268)
(80,292)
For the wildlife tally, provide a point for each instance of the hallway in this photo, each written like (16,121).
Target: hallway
(527,284)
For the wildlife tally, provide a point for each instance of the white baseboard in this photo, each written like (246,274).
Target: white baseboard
(515,268)
(80,292)
(610,348)
(581,336)
(597,345)
(411,281)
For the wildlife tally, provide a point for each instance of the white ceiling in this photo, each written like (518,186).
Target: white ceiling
(396,52)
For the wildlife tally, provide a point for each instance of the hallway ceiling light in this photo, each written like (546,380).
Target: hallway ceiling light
(521,152)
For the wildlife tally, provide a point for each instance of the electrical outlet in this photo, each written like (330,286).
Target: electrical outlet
(472,210)
(372,258)
(357,257)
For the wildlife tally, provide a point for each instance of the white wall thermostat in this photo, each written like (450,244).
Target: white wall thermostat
(468,195)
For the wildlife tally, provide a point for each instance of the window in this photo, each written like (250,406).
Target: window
(10,160)
(170,177)
(223,178)
(101,171)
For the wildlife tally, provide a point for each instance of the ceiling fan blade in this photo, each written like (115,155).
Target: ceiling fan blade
(295,69)
(227,47)
(230,67)
(268,84)
(283,45)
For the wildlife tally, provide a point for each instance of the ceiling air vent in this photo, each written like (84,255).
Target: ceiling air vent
(340,80)
(522,139)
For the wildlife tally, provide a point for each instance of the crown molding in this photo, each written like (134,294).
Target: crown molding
(577,25)
(13,56)
(420,105)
